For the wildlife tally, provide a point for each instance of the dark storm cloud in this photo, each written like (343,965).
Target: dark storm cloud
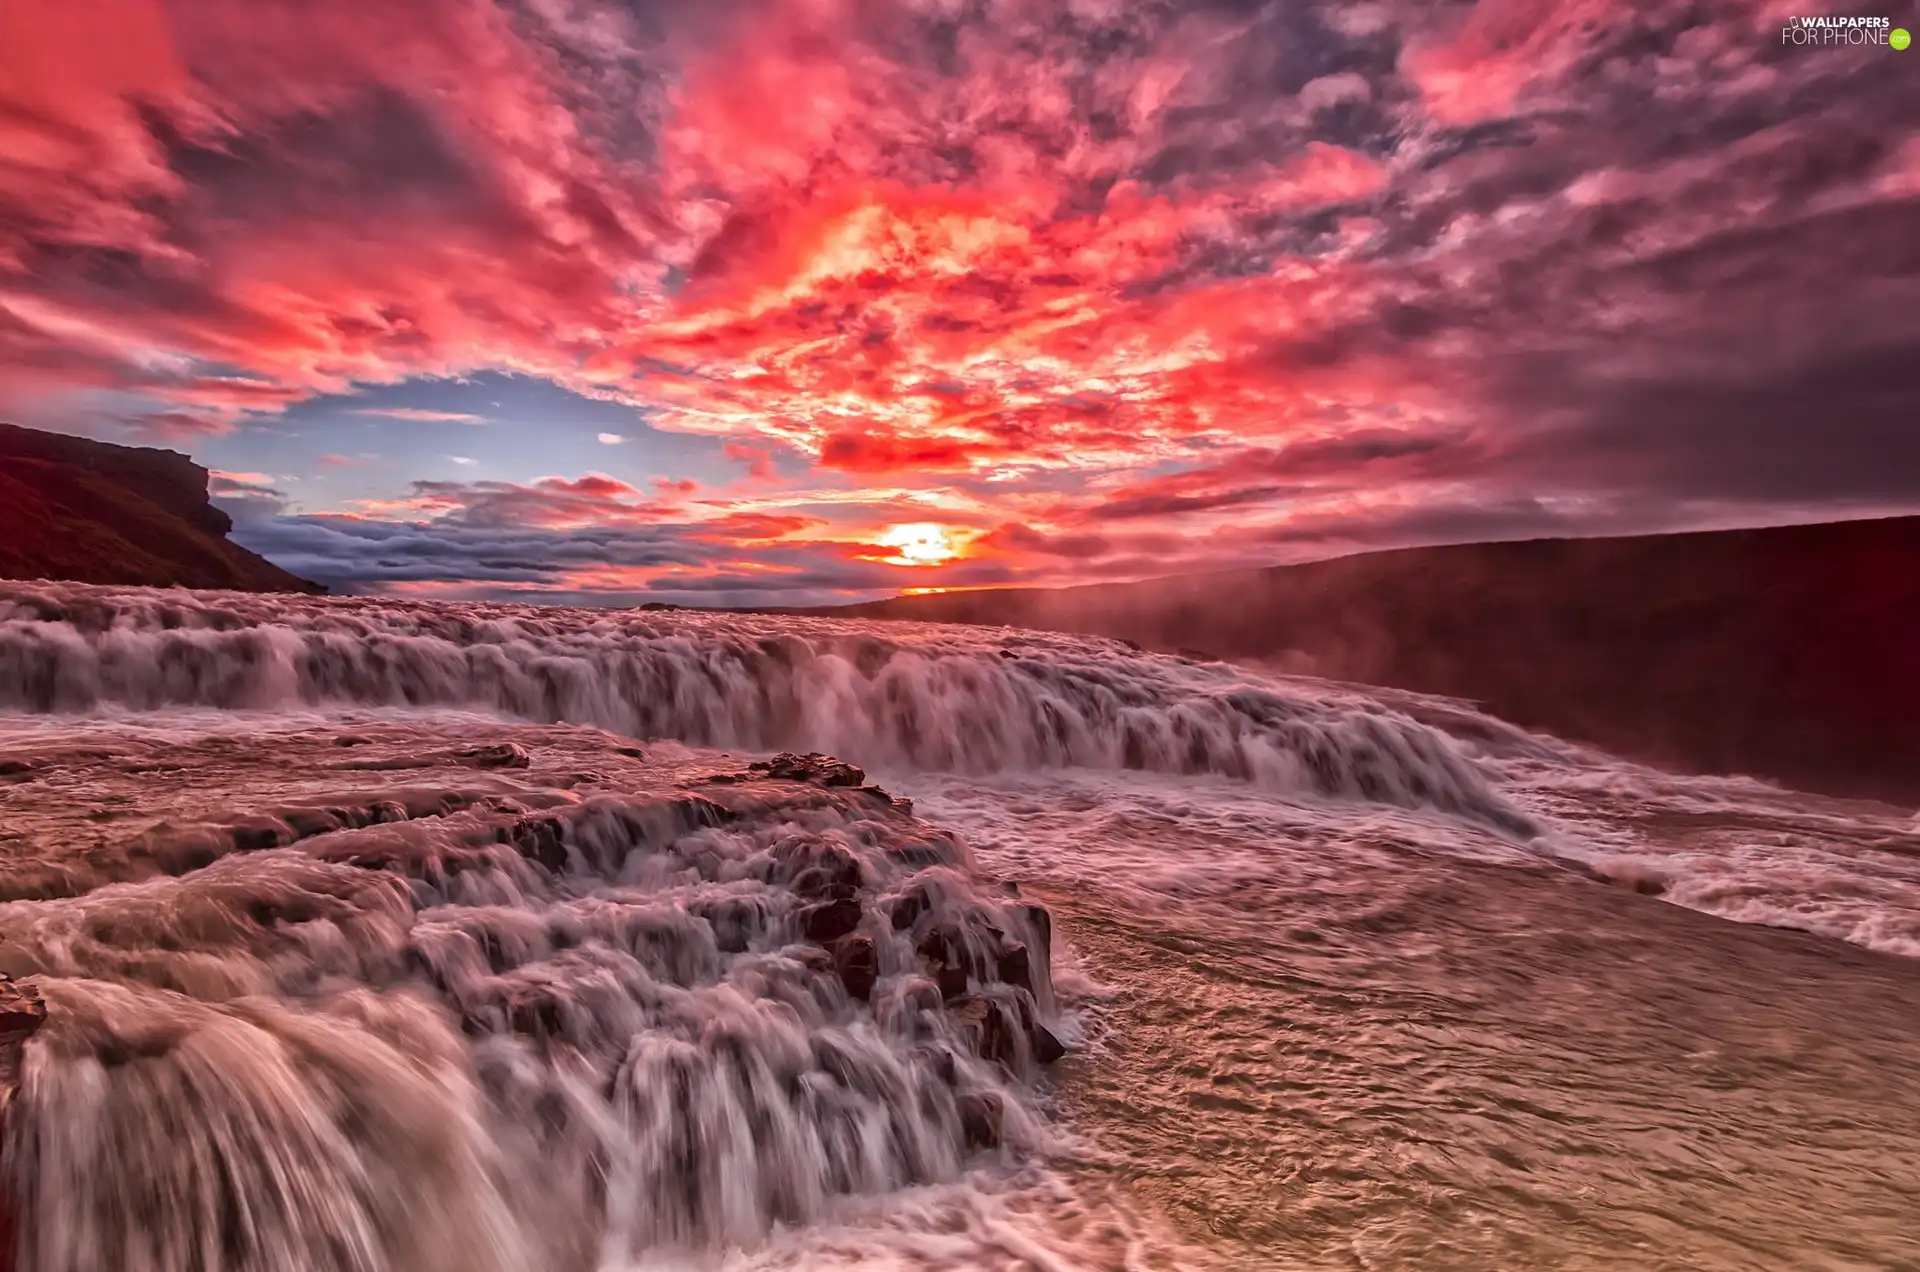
(354,555)
(1131,507)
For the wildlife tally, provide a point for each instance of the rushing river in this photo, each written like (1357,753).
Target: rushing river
(406,937)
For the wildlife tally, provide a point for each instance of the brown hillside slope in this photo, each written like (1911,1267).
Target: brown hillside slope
(1791,652)
(94,512)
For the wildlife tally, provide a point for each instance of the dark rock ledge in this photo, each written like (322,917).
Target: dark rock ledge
(986,966)
(985,975)
(21,1014)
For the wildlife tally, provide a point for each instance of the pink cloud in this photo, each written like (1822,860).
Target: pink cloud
(179,426)
(419,415)
(1072,265)
(1501,50)
(759,462)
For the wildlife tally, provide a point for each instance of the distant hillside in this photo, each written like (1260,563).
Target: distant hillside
(71,508)
(1791,652)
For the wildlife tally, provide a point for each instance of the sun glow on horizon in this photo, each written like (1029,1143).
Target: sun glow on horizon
(918,543)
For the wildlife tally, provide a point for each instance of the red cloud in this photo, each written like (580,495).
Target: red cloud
(231,393)
(759,462)
(1502,49)
(592,486)
(321,195)
(361,207)
(751,527)
(176,426)
(1020,538)
(875,453)
(1155,253)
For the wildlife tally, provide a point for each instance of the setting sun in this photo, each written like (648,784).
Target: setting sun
(918,543)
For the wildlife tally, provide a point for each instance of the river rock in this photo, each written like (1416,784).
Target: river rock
(909,906)
(990,1028)
(501,755)
(817,869)
(1015,966)
(858,965)
(830,920)
(22,1012)
(1047,1047)
(945,959)
(980,1113)
(817,769)
(1042,924)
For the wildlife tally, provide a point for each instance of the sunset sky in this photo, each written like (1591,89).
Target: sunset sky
(788,302)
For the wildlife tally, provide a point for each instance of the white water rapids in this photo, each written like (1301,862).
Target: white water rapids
(389,937)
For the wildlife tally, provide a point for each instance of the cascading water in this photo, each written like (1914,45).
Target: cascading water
(391,937)
(703,1016)
(950,702)
(567,1030)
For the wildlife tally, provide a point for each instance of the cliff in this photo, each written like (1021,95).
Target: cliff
(1789,652)
(94,512)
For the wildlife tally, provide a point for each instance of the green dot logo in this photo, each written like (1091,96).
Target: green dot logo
(1899,39)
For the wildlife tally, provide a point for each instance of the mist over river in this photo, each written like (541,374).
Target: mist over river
(405,937)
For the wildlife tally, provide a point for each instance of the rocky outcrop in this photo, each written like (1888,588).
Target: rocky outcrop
(21,1014)
(655,954)
(94,512)
(821,770)
(813,769)
(991,971)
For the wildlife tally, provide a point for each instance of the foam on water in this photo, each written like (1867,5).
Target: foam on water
(940,699)
(1732,846)
(367,949)
(508,1015)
